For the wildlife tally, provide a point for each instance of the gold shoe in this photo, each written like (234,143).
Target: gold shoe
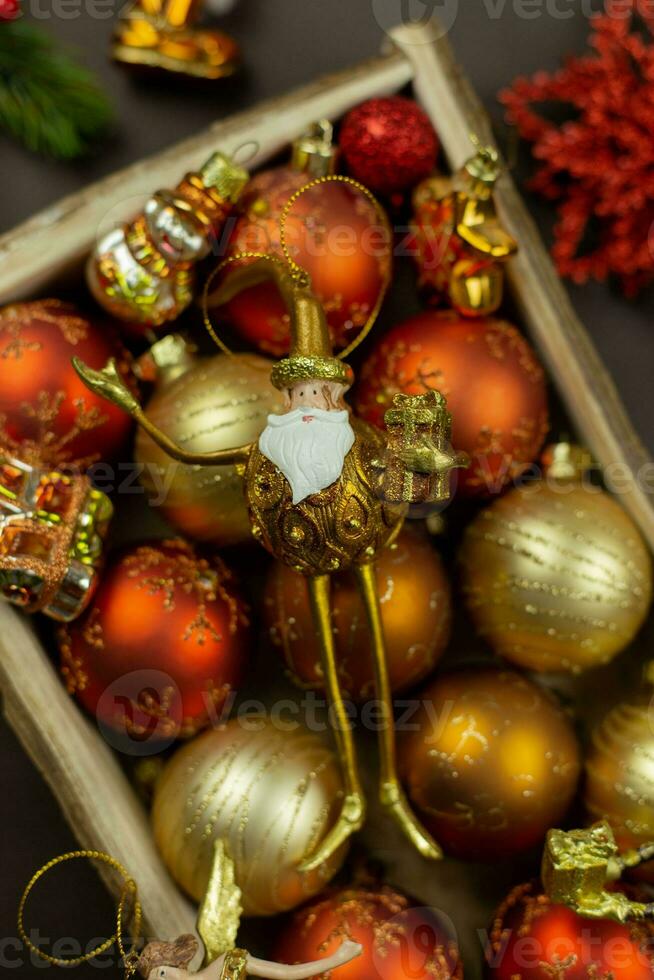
(350,820)
(395,802)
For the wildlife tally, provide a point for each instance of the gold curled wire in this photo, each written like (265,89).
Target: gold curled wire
(298,273)
(237,257)
(298,270)
(128,898)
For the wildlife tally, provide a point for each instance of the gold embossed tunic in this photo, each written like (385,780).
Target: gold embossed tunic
(346,524)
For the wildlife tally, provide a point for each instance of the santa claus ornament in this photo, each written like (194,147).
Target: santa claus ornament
(323,498)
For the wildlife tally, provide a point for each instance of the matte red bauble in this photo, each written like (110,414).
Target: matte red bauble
(47,415)
(389,144)
(334,233)
(532,939)
(162,645)
(410,575)
(399,942)
(493,382)
(491,762)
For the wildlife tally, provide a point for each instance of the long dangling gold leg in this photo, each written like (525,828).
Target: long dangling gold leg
(352,814)
(391,793)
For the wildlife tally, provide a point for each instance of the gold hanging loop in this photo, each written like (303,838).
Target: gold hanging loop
(298,274)
(128,905)
(237,257)
(302,275)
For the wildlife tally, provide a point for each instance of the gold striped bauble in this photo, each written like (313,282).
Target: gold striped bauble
(270,793)
(556,576)
(222,401)
(620,773)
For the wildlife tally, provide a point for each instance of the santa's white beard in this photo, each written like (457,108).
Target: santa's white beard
(309,446)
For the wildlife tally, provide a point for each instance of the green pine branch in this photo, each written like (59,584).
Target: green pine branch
(48,102)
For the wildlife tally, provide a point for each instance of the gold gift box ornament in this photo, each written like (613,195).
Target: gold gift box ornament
(418,426)
(52,527)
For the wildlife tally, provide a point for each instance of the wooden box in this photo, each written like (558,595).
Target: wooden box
(81,770)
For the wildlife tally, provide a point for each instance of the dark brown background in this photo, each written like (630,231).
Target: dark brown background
(286,42)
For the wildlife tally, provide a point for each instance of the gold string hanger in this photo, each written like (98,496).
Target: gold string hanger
(128,905)
(297,272)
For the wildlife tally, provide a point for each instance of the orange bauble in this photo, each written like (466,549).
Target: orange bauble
(492,762)
(532,939)
(410,575)
(399,942)
(47,414)
(494,385)
(162,645)
(334,232)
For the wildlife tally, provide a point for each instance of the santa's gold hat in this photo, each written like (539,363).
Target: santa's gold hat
(311,356)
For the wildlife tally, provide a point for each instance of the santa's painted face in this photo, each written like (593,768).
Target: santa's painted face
(327,395)
(310,442)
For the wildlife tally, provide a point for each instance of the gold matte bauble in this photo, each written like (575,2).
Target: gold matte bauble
(410,575)
(620,773)
(556,576)
(269,792)
(491,762)
(221,402)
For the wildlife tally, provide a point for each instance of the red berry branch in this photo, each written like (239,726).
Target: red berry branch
(599,164)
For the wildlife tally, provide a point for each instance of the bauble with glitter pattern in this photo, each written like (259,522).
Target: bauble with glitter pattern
(491,762)
(389,144)
(218,403)
(619,785)
(270,791)
(333,232)
(47,415)
(555,574)
(162,645)
(491,377)
(400,940)
(533,939)
(410,575)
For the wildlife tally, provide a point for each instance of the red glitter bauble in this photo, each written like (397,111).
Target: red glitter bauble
(161,646)
(47,414)
(532,939)
(409,574)
(399,942)
(9,9)
(388,144)
(334,233)
(493,382)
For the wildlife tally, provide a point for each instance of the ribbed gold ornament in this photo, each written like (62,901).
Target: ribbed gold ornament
(270,794)
(221,402)
(620,773)
(556,576)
